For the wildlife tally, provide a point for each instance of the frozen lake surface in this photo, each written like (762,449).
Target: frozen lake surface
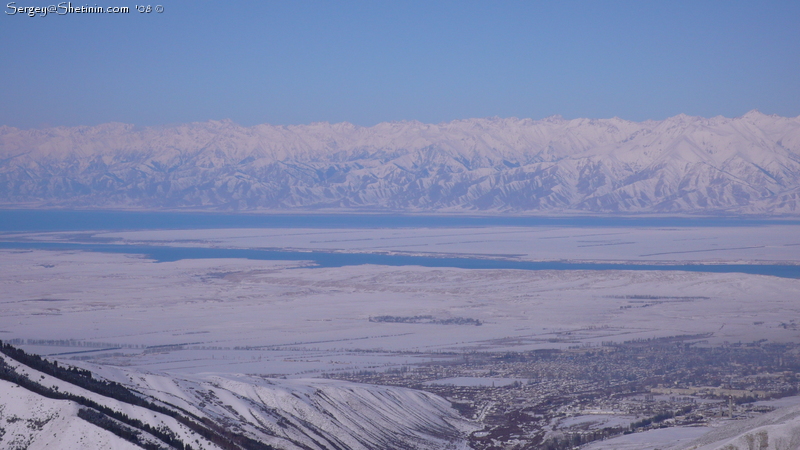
(166,253)
(766,247)
(63,220)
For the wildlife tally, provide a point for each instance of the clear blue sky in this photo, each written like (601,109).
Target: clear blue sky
(294,62)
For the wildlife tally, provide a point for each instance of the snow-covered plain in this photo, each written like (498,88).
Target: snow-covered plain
(768,243)
(280,318)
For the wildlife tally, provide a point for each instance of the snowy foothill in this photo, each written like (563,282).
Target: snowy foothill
(285,414)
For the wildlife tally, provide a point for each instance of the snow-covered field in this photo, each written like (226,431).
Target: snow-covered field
(778,430)
(666,438)
(279,318)
(768,243)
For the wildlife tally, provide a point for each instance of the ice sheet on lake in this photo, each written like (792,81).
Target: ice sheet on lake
(769,243)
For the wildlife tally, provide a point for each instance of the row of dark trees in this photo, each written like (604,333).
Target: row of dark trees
(427,319)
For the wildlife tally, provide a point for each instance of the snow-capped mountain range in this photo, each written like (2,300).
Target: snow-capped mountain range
(684,164)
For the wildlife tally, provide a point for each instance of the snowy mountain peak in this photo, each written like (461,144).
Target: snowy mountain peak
(755,114)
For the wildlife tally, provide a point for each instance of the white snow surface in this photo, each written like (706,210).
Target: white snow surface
(30,421)
(778,430)
(659,439)
(744,165)
(288,414)
(279,318)
(773,243)
(154,419)
(315,413)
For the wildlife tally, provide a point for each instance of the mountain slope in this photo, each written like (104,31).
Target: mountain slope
(33,422)
(746,165)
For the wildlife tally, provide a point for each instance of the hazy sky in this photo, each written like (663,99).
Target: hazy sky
(293,62)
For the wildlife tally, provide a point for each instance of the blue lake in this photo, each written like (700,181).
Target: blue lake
(324,259)
(62,220)
(44,220)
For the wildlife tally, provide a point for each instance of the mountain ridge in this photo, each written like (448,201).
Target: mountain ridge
(683,164)
(39,398)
